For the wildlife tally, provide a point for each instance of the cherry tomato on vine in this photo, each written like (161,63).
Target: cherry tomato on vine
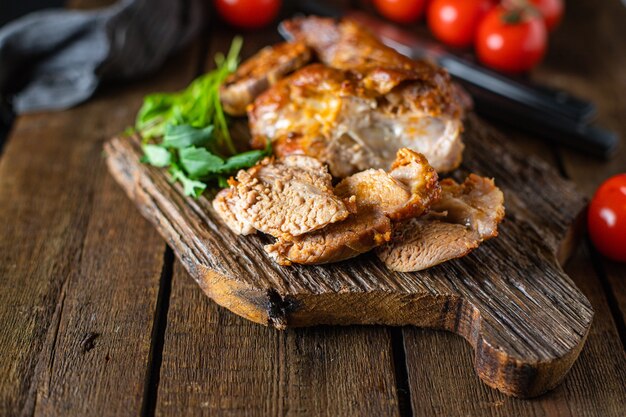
(551,10)
(248,14)
(401,11)
(455,22)
(606,218)
(511,40)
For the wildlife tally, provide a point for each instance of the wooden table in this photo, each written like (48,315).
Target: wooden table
(98,318)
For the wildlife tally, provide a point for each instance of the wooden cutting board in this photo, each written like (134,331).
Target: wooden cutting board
(509,299)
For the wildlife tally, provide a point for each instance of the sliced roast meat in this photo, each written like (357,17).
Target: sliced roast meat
(466,215)
(281,198)
(226,204)
(358,234)
(259,72)
(406,191)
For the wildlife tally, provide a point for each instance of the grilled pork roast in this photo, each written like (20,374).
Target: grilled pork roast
(257,74)
(335,100)
(354,108)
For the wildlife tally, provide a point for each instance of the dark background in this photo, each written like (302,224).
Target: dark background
(11,10)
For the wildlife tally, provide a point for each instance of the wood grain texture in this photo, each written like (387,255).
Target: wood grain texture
(216,363)
(594,73)
(594,387)
(80,268)
(510,299)
(600,77)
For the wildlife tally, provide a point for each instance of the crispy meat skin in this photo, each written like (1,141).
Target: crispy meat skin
(357,234)
(363,103)
(259,72)
(405,192)
(348,46)
(466,215)
(281,198)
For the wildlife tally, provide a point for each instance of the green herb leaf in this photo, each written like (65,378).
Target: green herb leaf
(194,130)
(156,155)
(242,160)
(182,136)
(198,105)
(191,187)
(222,181)
(198,162)
(129,131)
(154,114)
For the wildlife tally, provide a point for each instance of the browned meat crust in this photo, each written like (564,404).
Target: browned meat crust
(466,215)
(357,234)
(413,170)
(363,103)
(259,72)
(348,46)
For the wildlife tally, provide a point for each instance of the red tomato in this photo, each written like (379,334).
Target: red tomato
(248,14)
(455,21)
(511,40)
(551,10)
(401,11)
(606,218)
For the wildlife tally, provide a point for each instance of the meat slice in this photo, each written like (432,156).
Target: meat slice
(406,191)
(466,215)
(281,198)
(226,205)
(259,72)
(358,234)
(363,103)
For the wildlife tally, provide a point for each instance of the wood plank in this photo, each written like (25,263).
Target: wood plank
(600,76)
(80,268)
(614,274)
(577,64)
(216,363)
(594,387)
(97,354)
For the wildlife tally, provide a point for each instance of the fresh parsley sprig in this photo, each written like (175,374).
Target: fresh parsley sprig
(187,131)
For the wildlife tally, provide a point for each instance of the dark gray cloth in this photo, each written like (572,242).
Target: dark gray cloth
(55,59)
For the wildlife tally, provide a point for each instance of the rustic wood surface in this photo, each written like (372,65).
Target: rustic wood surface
(300,372)
(430,372)
(509,299)
(80,268)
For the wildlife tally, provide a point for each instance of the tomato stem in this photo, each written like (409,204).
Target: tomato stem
(517,10)
(513,17)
